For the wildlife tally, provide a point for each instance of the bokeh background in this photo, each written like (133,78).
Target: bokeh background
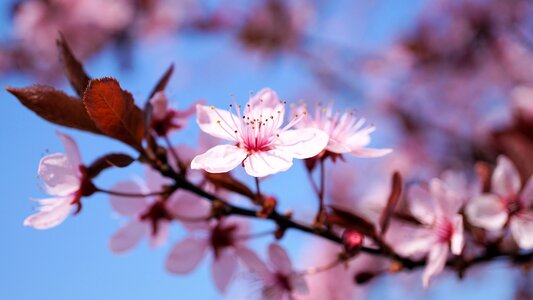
(368,54)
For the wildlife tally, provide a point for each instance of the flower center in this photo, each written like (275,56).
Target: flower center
(513,204)
(444,230)
(155,213)
(222,237)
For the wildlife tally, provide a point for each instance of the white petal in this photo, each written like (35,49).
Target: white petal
(446,202)
(279,259)
(186,255)
(421,204)
(266,163)
(219,159)
(505,179)
(58,175)
(265,104)
(522,230)
(216,122)
(486,211)
(72,151)
(526,197)
(223,270)
(415,241)
(457,243)
(302,143)
(337,147)
(370,152)
(127,206)
(53,213)
(435,262)
(128,236)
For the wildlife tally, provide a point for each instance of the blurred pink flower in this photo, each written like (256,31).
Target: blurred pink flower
(166,119)
(63,176)
(437,209)
(151,215)
(347,132)
(507,204)
(262,147)
(225,239)
(279,280)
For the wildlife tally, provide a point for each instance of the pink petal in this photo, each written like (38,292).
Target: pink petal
(224,269)
(414,241)
(505,179)
(186,255)
(265,104)
(127,206)
(253,263)
(435,262)
(457,243)
(486,211)
(266,163)
(527,193)
(421,204)
(279,259)
(161,236)
(298,284)
(53,212)
(216,122)
(154,180)
(302,143)
(370,152)
(72,151)
(522,230)
(128,236)
(447,202)
(337,147)
(58,175)
(219,159)
(159,104)
(187,205)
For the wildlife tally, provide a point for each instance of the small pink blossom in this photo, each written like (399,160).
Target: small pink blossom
(437,208)
(347,132)
(261,145)
(166,119)
(64,177)
(224,239)
(279,280)
(150,215)
(507,204)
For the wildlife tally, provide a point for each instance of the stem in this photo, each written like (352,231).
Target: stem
(319,216)
(133,195)
(258,189)
(319,269)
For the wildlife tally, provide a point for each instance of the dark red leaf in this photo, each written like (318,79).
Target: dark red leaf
(344,218)
(114,112)
(76,75)
(228,182)
(110,160)
(55,106)
(394,196)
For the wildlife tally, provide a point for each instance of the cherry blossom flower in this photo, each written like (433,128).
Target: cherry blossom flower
(224,239)
(508,204)
(65,179)
(279,280)
(150,215)
(166,119)
(347,132)
(437,209)
(261,146)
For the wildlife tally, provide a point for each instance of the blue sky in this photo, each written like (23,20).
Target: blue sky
(72,261)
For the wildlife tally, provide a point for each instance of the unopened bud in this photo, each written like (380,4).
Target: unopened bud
(352,241)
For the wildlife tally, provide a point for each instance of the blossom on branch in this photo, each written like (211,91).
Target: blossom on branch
(347,132)
(436,207)
(65,178)
(508,205)
(261,145)
(166,119)
(279,280)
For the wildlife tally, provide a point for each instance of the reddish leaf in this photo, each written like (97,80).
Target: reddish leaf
(394,196)
(73,68)
(228,182)
(55,106)
(110,160)
(346,219)
(114,111)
